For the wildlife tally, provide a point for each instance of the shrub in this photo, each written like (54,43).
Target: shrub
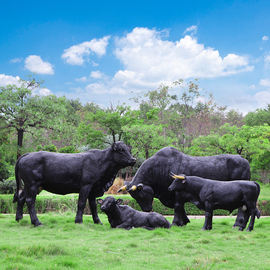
(7,186)
(49,148)
(68,149)
(61,204)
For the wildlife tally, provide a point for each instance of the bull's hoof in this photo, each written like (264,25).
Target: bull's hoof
(98,222)
(38,224)
(240,229)
(19,218)
(78,221)
(178,224)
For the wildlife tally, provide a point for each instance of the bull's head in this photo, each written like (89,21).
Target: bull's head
(143,194)
(177,183)
(122,154)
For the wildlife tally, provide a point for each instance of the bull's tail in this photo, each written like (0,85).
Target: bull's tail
(257,213)
(18,180)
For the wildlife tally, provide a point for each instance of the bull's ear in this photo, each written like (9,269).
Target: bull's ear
(119,201)
(114,146)
(100,201)
(129,147)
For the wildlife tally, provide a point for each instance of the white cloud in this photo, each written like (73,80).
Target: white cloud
(264,82)
(34,63)
(82,79)
(265,38)
(41,92)
(15,60)
(192,29)
(6,80)
(148,58)
(267,60)
(101,88)
(262,98)
(78,54)
(96,74)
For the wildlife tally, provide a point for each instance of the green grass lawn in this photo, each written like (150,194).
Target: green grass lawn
(62,244)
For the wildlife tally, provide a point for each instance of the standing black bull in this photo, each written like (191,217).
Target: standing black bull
(210,194)
(90,174)
(152,179)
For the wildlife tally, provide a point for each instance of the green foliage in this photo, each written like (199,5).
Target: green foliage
(4,166)
(250,142)
(146,139)
(259,117)
(24,112)
(99,124)
(68,149)
(50,148)
(8,186)
(58,203)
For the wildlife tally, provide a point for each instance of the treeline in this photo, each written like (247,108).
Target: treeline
(190,121)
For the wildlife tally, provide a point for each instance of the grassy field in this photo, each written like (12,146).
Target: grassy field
(62,244)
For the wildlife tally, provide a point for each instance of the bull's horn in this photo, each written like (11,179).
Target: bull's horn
(123,188)
(177,176)
(133,188)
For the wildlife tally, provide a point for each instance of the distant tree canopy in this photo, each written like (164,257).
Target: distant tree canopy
(181,115)
(253,143)
(22,111)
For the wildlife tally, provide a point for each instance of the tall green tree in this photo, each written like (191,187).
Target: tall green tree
(23,112)
(4,171)
(250,142)
(258,117)
(146,139)
(101,125)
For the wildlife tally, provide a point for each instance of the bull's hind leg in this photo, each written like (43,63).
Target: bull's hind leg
(30,202)
(93,208)
(254,212)
(20,204)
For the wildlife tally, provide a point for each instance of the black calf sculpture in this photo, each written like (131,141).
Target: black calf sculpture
(123,216)
(210,194)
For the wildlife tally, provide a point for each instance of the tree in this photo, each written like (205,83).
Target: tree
(4,171)
(259,117)
(101,125)
(22,111)
(146,139)
(250,142)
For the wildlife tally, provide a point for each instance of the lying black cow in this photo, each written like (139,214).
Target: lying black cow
(123,216)
(90,174)
(152,179)
(210,194)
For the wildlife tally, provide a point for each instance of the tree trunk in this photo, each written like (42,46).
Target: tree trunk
(146,153)
(20,141)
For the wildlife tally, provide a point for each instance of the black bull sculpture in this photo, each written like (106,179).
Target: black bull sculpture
(153,179)
(90,174)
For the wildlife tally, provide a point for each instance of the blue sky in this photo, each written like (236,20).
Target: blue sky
(107,51)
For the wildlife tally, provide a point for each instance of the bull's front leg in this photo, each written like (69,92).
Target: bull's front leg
(84,193)
(208,217)
(93,208)
(240,219)
(180,216)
